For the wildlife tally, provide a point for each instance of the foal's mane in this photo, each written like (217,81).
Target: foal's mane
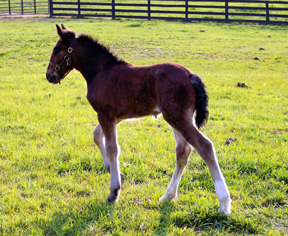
(94,44)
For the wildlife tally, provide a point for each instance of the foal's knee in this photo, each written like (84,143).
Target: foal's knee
(98,135)
(112,150)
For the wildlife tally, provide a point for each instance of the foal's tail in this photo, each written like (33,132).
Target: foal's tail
(201,107)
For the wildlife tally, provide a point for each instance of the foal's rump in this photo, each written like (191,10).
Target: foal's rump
(179,93)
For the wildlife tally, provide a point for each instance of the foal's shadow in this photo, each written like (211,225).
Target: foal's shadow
(195,220)
(166,208)
(75,222)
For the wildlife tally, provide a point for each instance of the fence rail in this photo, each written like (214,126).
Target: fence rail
(22,7)
(187,10)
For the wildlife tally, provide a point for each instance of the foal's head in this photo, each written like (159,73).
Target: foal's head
(60,62)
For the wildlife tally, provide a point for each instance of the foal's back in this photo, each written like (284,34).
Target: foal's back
(136,91)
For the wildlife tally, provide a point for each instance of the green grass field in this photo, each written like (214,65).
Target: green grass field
(52,180)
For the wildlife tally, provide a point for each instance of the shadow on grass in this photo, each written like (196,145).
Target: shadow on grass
(209,221)
(212,221)
(166,208)
(78,221)
(86,221)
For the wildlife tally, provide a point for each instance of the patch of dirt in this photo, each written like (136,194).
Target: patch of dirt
(279,131)
(243,85)
(230,140)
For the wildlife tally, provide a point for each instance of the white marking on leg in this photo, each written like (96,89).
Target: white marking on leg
(183,150)
(205,148)
(218,179)
(223,197)
(172,188)
(112,152)
(99,141)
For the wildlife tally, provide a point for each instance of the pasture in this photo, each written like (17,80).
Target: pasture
(53,181)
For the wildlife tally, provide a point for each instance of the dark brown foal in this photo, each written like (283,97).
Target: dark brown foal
(118,90)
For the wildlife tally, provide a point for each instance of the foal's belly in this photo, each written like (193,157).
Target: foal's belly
(139,112)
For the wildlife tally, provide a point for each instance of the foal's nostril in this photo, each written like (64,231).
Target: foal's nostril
(51,78)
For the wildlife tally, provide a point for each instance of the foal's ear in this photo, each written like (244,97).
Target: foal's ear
(64,33)
(59,32)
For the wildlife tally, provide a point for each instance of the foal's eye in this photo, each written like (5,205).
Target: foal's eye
(56,50)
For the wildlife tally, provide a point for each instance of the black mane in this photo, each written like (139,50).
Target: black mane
(95,46)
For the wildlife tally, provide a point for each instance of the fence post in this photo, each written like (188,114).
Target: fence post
(267,12)
(79,8)
(22,10)
(186,10)
(51,7)
(35,7)
(113,9)
(226,10)
(9,4)
(149,9)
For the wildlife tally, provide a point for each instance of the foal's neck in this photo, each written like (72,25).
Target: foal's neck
(93,58)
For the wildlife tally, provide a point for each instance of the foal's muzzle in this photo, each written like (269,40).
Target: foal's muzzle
(52,78)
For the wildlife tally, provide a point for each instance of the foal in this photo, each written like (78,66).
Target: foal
(118,90)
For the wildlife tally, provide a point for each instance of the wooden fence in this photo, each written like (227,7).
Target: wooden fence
(23,7)
(187,10)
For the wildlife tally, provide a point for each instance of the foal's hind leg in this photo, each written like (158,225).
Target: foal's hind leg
(99,141)
(206,150)
(183,150)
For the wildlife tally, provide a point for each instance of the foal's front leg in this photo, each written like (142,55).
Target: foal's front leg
(112,154)
(99,141)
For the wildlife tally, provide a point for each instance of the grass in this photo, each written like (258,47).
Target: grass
(52,178)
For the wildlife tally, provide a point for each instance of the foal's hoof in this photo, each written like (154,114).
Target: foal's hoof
(225,206)
(113,196)
(166,198)
(111,199)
